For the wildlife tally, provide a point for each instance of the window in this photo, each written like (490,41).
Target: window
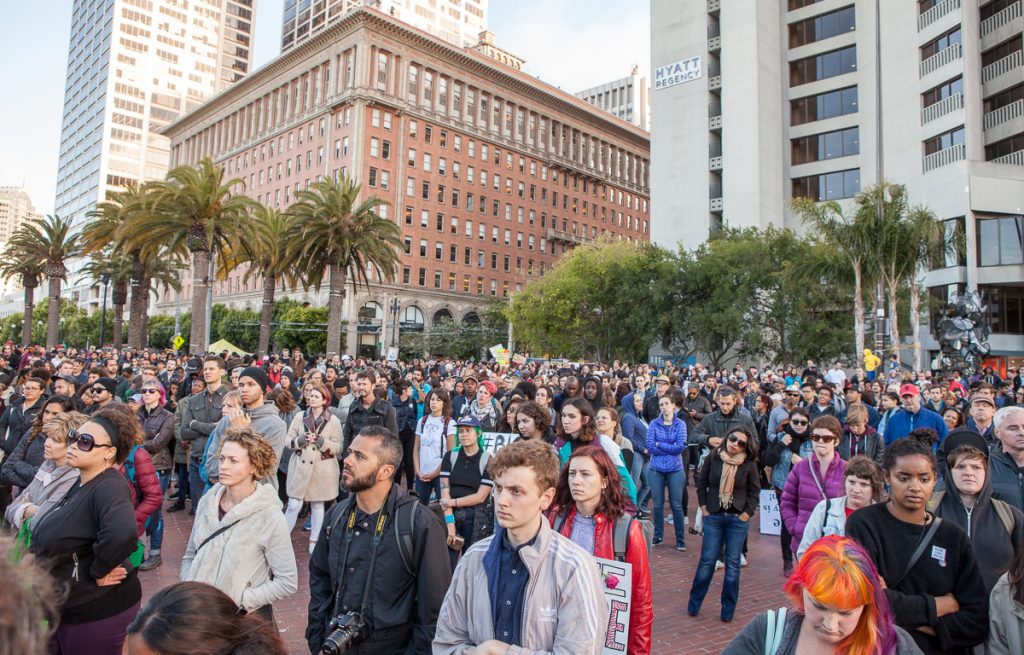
(424,218)
(408,245)
(821,27)
(823,66)
(1004,147)
(382,71)
(455,225)
(954,230)
(385,150)
(1005,49)
(453,253)
(375,118)
(944,140)
(427,162)
(423,247)
(830,145)
(385,184)
(1004,98)
(936,46)
(1006,307)
(408,215)
(942,91)
(412,158)
(999,240)
(798,4)
(413,129)
(438,250)
(828,186)
(374,147)
(373,176)
(405,275)
(422,278)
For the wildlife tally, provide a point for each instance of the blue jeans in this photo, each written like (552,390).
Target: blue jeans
(155,524)
(424,489)
(675,482)
(464,529)
(196,486)
(641,465)
(718,529)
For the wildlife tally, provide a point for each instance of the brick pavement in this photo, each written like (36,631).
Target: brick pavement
(671,571)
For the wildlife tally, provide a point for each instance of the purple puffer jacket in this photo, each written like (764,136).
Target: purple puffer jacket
(801,494)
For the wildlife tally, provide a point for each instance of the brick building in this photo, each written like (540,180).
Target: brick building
(491,174)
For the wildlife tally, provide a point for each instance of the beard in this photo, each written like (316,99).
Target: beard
(357,484)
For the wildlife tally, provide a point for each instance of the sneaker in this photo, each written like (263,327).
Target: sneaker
(308,525)
(669,520)
(787,568)
(176,507)
(719,565)
(743,560)
(656,542)
(681,548)
(151,562)
(686,520)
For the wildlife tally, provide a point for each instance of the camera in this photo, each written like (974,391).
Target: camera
(347,630)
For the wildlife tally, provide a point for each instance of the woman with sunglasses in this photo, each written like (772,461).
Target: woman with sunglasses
(20,468)
(54,477)
(812,480)
(87,538)
(786,448)
(158,430)
(728,489)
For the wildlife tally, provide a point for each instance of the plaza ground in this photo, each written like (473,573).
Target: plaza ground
(671,573)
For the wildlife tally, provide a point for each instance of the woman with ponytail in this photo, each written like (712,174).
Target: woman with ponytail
(839,606)
(193,618)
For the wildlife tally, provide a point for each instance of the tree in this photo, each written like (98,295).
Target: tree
(855,245)
(195,209)
(51,241)
(119,267)
(593,303)
(270,259)
(336,235)
(28,271)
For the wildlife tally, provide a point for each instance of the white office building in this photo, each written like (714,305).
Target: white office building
(459,22)
(756,103)
(627,98)
(135,66)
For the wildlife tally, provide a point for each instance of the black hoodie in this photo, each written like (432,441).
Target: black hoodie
(598,402)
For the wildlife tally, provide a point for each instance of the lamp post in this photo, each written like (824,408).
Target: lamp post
(394,320)
(105,278)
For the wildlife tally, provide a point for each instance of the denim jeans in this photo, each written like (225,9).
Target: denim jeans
(718,529)
(675,482)
(641,464)
(424,489)
(155,524)
(183,490)
(464,520)
(196,486)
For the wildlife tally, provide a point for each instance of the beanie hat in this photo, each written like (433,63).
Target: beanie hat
(258,375)
(107,383)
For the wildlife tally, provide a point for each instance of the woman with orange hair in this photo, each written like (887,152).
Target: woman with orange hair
(839,606)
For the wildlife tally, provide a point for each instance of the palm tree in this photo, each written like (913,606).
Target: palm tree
(119,267)
(270,259)
(28,271)
(52,241)
(195,209)
(336,234)
(855,244)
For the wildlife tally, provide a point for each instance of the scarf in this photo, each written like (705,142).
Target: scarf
(314,424)
(730,463)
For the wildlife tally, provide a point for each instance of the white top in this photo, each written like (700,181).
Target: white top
(433,442)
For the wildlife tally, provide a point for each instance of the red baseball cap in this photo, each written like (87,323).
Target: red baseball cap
(909,389)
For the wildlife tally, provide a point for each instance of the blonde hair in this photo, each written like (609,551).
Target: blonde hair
(262,456)
(57,427)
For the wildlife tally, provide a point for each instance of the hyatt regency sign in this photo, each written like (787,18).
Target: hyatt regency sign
(684,70)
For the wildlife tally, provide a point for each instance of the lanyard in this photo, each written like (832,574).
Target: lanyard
(378,535)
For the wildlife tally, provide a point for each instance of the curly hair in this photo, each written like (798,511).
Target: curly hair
(283,400)
(908,447)
(541,417)
(261,454)
(587,431)
(128,430)
(31,608)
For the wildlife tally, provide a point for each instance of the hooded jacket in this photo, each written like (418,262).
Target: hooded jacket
(666,444)
(266,422)
(634,427)
(1007,479)
(252,561)
(869,444)
(993,545)
(718,424)
(1005,621)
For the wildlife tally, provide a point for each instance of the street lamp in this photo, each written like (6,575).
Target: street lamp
(105,278)
(394,320)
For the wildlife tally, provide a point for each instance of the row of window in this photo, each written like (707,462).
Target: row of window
(823,66)
(467,282)
(828,186)
(829,145)
(481,260)
(822,27)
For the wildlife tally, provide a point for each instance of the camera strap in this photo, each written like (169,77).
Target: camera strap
(378,535)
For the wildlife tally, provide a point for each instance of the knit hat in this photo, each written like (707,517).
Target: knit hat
(107,383)
(258,375)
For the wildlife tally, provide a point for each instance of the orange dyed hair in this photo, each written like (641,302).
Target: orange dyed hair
(839,573)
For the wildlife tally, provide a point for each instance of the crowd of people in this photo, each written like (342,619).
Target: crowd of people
(462,507)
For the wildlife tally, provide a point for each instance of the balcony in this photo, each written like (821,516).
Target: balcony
(714,6)
(994,22)
(715,83)
(715,163)
(941,158)
(714,44)
(1001,67)
(565,237)
(942,107)
(716,204)
(715,123)
(941,58)
(1003,114)
(935,13)
(1014,158)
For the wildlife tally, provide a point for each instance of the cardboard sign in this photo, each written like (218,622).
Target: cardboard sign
(392,354)
(495,441)
(500,354)
(771,518)
(618,592)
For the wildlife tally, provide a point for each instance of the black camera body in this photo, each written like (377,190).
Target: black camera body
(347,630)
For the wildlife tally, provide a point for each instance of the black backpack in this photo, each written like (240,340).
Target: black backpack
(405,528)
(620,537)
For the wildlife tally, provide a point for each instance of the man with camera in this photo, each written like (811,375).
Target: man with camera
(380,568)
(526,589)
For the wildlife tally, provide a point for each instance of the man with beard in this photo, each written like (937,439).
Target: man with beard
(380,541)
(469,386)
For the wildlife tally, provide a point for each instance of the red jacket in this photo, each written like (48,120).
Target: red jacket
(641,613)
(149,483)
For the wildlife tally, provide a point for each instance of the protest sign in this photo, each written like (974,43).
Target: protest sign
(495,441)
(771,519)
(618,591)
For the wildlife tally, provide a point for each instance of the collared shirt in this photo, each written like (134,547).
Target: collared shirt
(507,603)
(358,562)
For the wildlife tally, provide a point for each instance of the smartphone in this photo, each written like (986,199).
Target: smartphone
(458,543)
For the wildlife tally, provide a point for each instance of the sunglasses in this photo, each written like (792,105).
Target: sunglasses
(97,390)
(150,391)
(795,422)
(85,441)
(734,439)
(822,438)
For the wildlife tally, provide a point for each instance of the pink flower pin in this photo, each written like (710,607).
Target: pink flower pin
(611,581)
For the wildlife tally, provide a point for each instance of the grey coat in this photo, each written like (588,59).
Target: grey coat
(19,469)
(48,487)
(266,422)
(750,640)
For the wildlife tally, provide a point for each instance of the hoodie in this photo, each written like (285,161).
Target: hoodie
(869,444)
(634,427)
(266,422)
(993,545)
(598,401)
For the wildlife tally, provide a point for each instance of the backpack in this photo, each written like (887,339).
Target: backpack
(485,457)
(444,434)
(776,626)
(1002,510)
(620,535)
(129,468)
(405,529)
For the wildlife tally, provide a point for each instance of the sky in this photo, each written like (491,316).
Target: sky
(572,44)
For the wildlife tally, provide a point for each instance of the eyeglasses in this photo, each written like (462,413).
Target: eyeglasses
(147,391)
(85,441)
(734,439)
(795,422)
(97,390)
(822,438)
(793,394)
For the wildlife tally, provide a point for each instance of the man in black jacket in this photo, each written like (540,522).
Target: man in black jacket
(383,532)
(366,410)
(16,423)
(199,417)
(716,425)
